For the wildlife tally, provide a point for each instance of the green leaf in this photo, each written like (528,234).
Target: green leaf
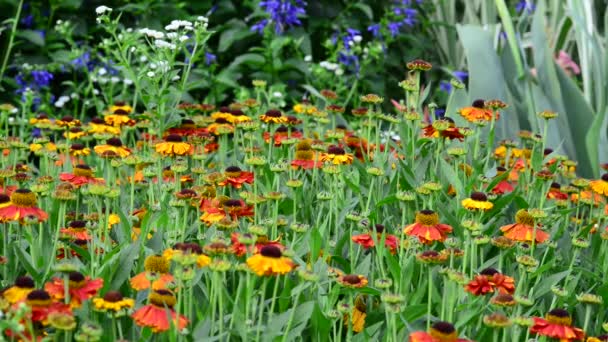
(414,312)
(238,30)
(32,36)
(252,59)
(366,9)
(545,286)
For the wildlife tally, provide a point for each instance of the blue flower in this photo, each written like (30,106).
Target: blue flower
(394,27)
(259,26)
(439,113)
(41,78)
(525,5)
(210,58)
(283,13)
(27,21)
(374,29)
(445,86)
(460,75)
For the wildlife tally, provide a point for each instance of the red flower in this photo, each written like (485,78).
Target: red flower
(240,249)
(281,134)
(80,288)
(367,240)
(489,280)
(450,133)
(23,204)
(503,187)
(81,175)
(480,285)
(557,325)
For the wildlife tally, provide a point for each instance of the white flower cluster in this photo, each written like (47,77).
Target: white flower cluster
(101,10)
(61,101)
(177,24)
(152,33)
(335,67)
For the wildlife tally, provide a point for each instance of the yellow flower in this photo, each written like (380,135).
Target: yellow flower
(600,186)
(477,201)
(113,301)
(173,146)
(337,156)
(270,261)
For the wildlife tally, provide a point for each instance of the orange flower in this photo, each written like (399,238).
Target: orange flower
(555,192)
(282,133)
(489,280)
(155,274)
(427,227)
(235,177)
(450,132)
(20,290)
(352,280)
(77,231)
(557,324)
(215,210)
(522,230)
(156,314)
(80,287)
(477,112)
(22,204)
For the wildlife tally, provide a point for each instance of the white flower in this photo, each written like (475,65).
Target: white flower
(102,71)
(127,81)
(150,74)
(175,78)
(143,59)
(357,39)
(102,10)
(114,79)
(74,95)
(152,33)
(202,18)
(95,91)
(308,58)
(132,49)
(172,35)
(164,44)
(183,38)
(277,94)
(339,72)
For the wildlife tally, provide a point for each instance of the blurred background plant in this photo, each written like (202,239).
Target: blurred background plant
(533,55)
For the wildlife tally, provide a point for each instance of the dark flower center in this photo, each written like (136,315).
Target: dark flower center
(80,242)
(335,150)
(547,151)
(25,282)
(38,295)
(75,130)
(42,116)
(78,224)
(479,196)
(187,122)
(113,296)
(488,272)
(83,166)
(504,298)
(233,169)
(23,191)
(282,129)
(430,254)
(232,203)
(501,169)
(4,198)
(114,142)
(67,118)
(274,113)
(221,121)
(173,138)
(479,103)
(119,103)
(444,327)
(427,212)
(237,112)
(192,247)
(120,111)
(379,228)
(561,313)
(224,109)
(605,177)
(555,185)
(76,277)
(351,279)
(271,251)
(77,147)
(98,121)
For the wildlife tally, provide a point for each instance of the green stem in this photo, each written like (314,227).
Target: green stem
(10,41)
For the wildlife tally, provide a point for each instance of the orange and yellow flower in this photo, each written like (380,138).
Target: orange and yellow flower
(523,229)
(427,227)
(600,186)
(112,146)
(477,112)
(174,146)
(19,291)
(336,155)
(80,288)
(22,204)
(155,315)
